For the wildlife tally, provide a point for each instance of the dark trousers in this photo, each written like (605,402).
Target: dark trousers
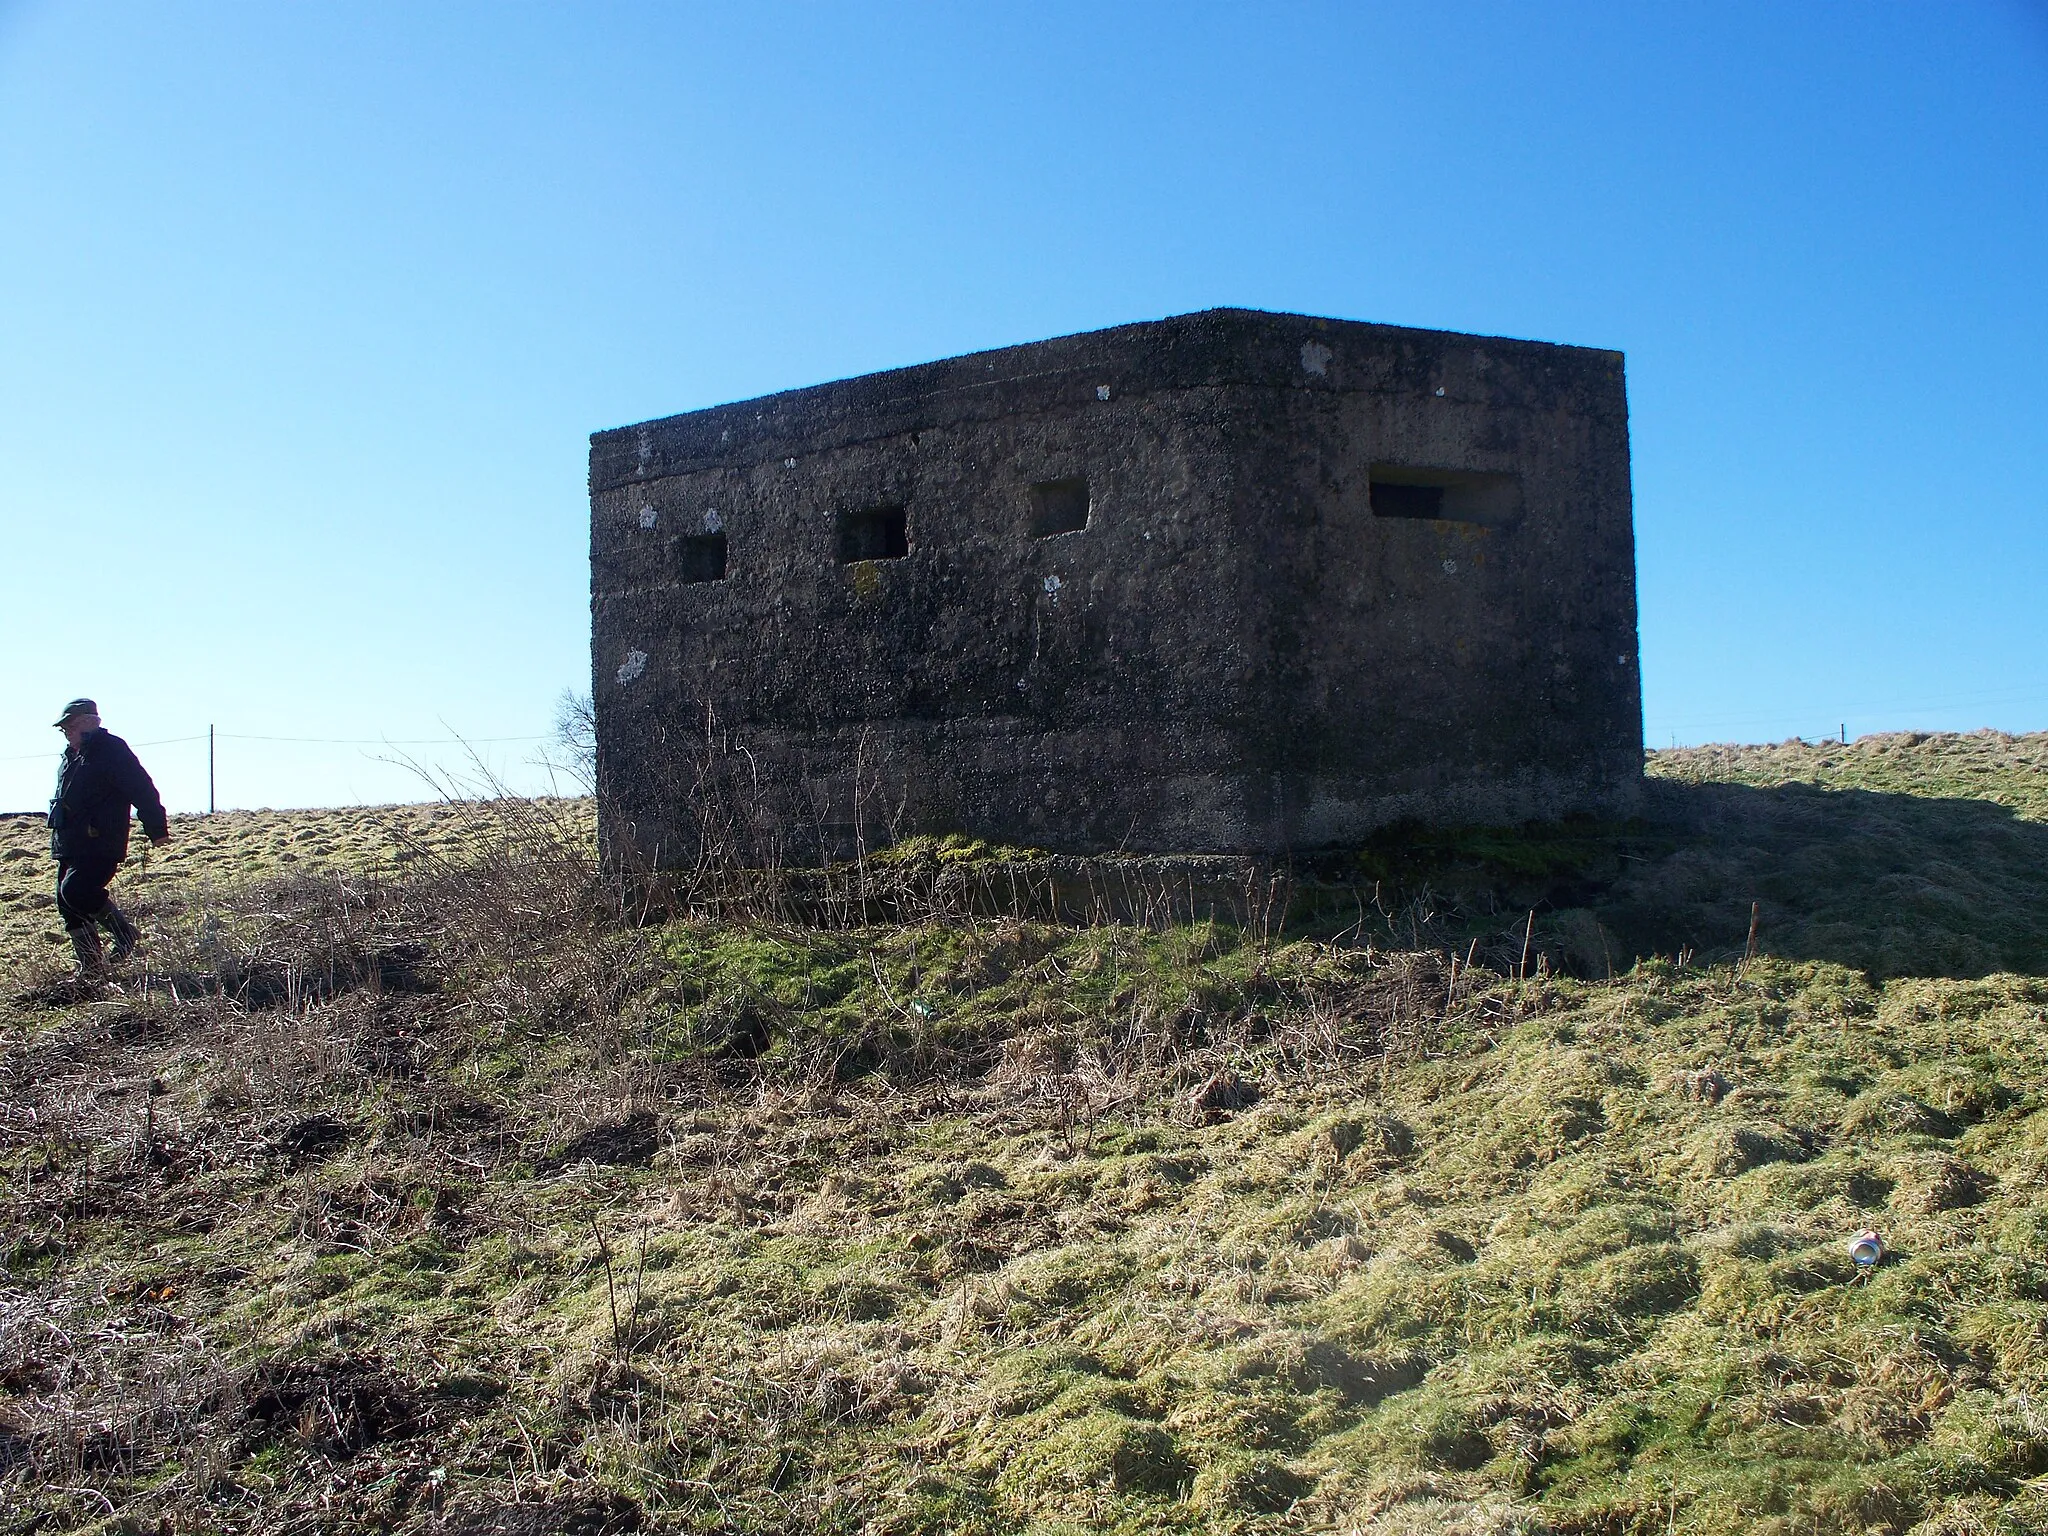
(82,889)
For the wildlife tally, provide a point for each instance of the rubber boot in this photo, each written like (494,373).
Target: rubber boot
(125,936)
(85,943)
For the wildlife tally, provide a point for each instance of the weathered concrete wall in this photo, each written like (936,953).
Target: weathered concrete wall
(1237,651)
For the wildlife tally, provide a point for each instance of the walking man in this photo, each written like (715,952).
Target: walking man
(99,780)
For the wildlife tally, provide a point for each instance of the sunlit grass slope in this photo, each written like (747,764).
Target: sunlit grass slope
(419,1195)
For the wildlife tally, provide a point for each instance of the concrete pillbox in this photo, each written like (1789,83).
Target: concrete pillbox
(1229,581)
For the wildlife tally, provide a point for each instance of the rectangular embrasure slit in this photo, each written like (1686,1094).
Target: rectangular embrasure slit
(1430,494)
(878,533)
(1389,500)
(700,557)
(1059,506)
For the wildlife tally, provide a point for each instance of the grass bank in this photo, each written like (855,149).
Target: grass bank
(414,1193)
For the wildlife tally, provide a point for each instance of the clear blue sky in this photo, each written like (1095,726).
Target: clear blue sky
(307,311)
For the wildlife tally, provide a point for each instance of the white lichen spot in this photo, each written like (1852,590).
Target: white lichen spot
(636,663)
(1450,567)
(1315,358)
(1052,589)
(789,463)
(1102,391)
(712,521)
(648,516)
(643,447)
(1439,391)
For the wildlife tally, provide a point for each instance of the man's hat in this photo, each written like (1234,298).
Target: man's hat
(75,708)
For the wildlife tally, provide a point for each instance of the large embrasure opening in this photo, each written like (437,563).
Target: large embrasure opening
(878,533)
(1059,506)
(700,557)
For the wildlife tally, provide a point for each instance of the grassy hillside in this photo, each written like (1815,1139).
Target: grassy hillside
(1488,1183)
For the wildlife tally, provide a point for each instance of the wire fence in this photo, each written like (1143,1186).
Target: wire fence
(1663,728)
(315,741)
(1674,727)
(1674,730)
(277,769)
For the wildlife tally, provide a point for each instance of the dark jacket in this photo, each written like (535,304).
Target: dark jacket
(100,778)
